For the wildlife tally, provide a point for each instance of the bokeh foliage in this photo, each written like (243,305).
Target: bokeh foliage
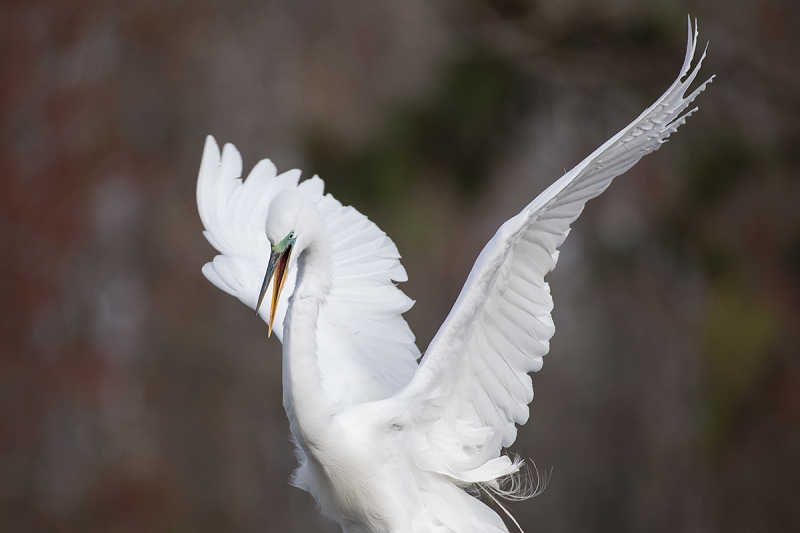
(136,397)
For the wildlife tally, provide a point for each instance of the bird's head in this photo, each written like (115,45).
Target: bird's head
(292,225)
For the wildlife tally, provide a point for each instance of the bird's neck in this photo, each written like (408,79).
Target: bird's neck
(308,410)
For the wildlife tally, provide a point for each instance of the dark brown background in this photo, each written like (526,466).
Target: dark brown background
(135,396)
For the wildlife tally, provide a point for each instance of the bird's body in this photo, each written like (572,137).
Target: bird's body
(351,456)
(386,445)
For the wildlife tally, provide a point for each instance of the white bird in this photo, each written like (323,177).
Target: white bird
(384,444)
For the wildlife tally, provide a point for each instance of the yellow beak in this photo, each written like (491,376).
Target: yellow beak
(278,268)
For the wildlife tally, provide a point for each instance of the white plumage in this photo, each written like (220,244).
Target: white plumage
(386,445)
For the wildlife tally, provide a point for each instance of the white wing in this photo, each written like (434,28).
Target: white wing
(472,385)
(367,350)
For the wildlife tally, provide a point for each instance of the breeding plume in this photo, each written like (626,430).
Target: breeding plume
(387,445)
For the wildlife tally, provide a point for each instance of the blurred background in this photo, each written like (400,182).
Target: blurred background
(136,397)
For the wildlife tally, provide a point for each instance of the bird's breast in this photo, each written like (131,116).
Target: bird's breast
(358,476)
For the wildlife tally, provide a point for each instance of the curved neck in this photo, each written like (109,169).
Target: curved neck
(303,397)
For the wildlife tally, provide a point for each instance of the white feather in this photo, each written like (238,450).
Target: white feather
(383,444)
(365,265)
(501,320)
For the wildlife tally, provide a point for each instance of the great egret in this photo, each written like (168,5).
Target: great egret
(385,444)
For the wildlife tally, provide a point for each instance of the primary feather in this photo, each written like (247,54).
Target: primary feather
(410,439)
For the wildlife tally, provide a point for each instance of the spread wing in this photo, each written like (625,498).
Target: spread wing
(367,350)
(472,385)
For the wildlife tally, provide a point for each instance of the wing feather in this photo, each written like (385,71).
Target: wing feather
(367,350)
(500,327)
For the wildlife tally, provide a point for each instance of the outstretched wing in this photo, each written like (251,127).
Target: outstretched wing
(472,385)
(367,350)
